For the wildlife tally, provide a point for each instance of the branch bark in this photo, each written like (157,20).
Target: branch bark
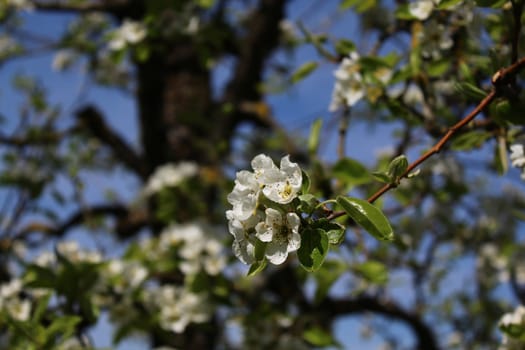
(91,118)
(423,334)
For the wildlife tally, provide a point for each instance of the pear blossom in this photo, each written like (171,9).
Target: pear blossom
(517,157)
(281,232)
(513,326)
(280,185)
(421,9)
(244,195)
(250,220)
(197,245)
(435,39)
(170,175)
(130,32)
(348,88)
(178,307)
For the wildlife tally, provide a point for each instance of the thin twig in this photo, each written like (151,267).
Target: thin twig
(499,80)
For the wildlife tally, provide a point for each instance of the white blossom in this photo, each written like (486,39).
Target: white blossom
(125,275)
(21,4)
(170,175)
(517,157)
(249,221)
(279,185)
(178,307)
(281,232)
(435,39)
(62,60)
(19,309)
(244,195)
(514,323)
(198,246)
(71,250)
(129,33)
(421,9)
(348,88)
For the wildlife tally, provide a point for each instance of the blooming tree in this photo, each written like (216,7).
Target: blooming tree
(210,218)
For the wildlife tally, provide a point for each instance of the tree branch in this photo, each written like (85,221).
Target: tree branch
(94,122)
(423,334)
(111,6)
(500,83)
(128,222)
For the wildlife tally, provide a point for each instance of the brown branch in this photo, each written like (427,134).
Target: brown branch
(128,222)
(424,336)
(517,9)
(94,122)
(253,51)
(500,83)
(112,6)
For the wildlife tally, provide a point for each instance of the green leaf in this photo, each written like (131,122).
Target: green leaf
(260,249)
(448,4)
(303,71)
(344,47)
(257,267)
(470,90)
(308,203)
(470,140)
(313,250)
(373,271)
(382,176)
(351,172)
(305,186)
(41,308)
(368,217)
(346,4)
(313,140)
(397,167)
(318,337)
(437,68)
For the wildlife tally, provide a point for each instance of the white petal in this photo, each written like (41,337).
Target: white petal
(421,9)
(294,242)
(264,232)
(276,252)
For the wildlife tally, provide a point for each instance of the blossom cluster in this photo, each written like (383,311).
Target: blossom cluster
(513,326)
(261,214)
(351,85)
(170,175)
(129,33)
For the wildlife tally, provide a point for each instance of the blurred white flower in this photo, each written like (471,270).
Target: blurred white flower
(349,87)
(170,175)
(193,25)
(178,307)
(129,33)
(21,4)
(63,59)
(421,9)
(517,158)
(435,39)
(125,275)
(197,244)
(19,309)
(71,250)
